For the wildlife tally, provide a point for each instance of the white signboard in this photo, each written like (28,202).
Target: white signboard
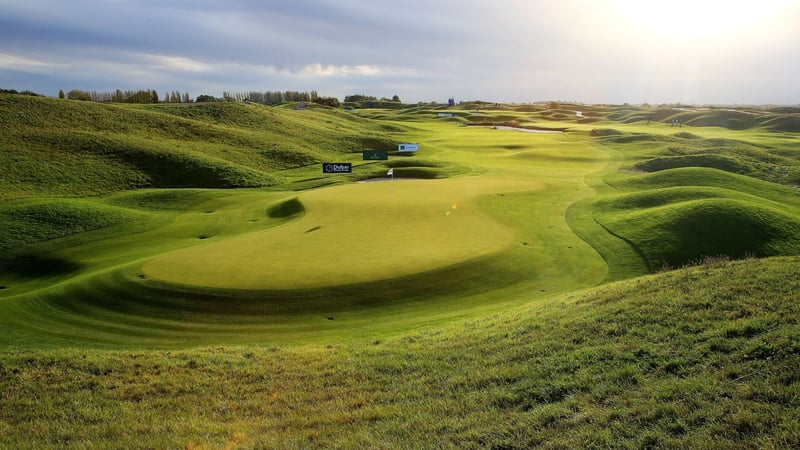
(408,147)
(446,114)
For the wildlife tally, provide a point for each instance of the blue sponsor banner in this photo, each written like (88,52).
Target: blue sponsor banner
(408,147)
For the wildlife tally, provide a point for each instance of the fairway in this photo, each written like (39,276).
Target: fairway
(353,234)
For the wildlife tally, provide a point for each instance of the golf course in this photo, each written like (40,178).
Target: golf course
(556,275)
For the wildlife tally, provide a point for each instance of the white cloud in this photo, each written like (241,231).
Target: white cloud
(330,70)
(176,63)
(10,61)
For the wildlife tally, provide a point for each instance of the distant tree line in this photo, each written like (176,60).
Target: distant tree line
(127,96)
(272,97)
(14,91)
(151,96)
(369,98)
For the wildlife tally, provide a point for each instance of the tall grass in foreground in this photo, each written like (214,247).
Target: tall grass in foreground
(702,357)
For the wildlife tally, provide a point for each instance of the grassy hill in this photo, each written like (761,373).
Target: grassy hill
(69,148)
(774,119)
(184,276)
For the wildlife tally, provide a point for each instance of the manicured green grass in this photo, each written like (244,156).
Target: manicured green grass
(352,234)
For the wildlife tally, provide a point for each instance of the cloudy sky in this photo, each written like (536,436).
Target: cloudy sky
(593,51)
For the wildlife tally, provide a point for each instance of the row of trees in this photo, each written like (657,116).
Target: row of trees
(273,97)
(266,97)
(369,98)
(14,91)
(127,96)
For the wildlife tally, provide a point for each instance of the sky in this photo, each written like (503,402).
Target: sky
(590,51)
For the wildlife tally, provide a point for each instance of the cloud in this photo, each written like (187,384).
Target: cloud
(319,70)
(175,63)
(13,62)
(515,50)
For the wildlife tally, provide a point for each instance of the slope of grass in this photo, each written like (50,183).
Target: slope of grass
(704,357)
(69,148)
(685,230)
(674,216)
(31,229)
(34,221)
(698,176)
(726,163)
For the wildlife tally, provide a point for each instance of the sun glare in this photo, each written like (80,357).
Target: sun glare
(685,20)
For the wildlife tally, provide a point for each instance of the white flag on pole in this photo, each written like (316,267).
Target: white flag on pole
(390,172)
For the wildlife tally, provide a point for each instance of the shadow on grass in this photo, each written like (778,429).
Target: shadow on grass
(38,266)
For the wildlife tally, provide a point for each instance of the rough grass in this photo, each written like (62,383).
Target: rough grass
(704,357)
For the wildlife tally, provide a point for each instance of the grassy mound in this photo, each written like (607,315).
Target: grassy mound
(701,176)
(162,199)
(31,222)
(687,230)
(286,209)
(732,120)
(675,216)
(601,132)
(783,123)
(726,163)
(687,135)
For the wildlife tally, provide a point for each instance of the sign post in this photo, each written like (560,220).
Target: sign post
(370,155)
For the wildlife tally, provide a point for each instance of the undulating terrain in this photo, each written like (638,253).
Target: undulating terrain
(570,276)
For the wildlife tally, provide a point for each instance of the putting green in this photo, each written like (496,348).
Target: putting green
(350,234)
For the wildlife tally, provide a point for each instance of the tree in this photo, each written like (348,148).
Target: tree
(327,101)
(61,94)
(359,98)
(77,94)
(395,98)
(154,96)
